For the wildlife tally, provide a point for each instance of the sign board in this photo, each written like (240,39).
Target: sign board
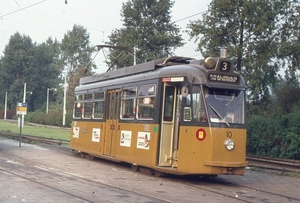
(22,108)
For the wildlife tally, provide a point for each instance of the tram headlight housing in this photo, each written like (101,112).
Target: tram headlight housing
(229,144)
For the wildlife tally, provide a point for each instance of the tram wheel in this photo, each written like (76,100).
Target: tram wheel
(82,155)
(159,174)
(134,167)
(89,157)
(147,171)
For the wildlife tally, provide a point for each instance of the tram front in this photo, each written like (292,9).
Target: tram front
(217,120)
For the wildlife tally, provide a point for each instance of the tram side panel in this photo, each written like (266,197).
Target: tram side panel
(137,144)
(87,137)
(134,142)
(202,151)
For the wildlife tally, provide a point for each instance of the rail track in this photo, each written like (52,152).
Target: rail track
(263,163)
(229,188)
(34,139)
(274,164)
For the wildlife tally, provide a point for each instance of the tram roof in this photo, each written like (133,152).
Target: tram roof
(139,68)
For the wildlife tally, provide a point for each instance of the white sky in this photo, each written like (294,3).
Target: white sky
(40,19)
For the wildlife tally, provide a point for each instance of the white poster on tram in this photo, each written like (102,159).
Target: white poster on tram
(125,139)
(96,135)
(76,132)
(143,140)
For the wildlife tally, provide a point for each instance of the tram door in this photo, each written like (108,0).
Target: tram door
(169,126)
(113,97)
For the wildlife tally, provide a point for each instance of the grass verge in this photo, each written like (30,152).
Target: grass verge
(42,131)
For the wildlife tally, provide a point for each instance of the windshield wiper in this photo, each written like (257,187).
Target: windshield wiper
(219,115)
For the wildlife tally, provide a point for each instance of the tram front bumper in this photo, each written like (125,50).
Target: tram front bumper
(230,168)
(225,164)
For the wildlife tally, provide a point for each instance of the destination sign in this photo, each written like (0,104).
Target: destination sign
(223,78)
(22,108)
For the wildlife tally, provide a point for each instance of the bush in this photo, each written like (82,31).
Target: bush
(10,114)
(53,118)
(274,136)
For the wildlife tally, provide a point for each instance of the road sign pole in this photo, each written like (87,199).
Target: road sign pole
(20,137)
(21,110)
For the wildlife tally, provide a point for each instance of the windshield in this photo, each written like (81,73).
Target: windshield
(224,105)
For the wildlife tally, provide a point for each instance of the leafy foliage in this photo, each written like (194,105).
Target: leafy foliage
(148,29)
(250,30)
(75,58)
(25,62)
(76,50)
(16,66)
(274,137)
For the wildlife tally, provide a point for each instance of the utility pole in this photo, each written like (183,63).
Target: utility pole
(65,98)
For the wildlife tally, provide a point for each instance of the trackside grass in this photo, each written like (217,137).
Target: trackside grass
(42,131)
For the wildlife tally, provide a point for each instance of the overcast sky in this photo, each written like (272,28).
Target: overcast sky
(40,19)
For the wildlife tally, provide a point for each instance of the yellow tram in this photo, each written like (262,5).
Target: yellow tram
(175,115)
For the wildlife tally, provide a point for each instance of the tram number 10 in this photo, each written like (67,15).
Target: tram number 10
(229,134)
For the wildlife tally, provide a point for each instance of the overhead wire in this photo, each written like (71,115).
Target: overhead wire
(22,8)
(190,16)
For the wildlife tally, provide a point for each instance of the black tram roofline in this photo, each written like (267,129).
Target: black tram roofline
(194,73)
(136,69)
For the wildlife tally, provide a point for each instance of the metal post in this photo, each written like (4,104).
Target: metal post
(20,137)
(24,95)
(5,106)
(65,98)
(22,117)
(134,56)
(47,100)
(47,105)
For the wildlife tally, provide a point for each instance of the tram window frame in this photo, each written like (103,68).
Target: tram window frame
(98,105)
(168,106)
(78,105)
(146,102)
(186,104)
(128,103)
(198,107)
(87,110)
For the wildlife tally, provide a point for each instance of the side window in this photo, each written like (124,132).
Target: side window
(169,101)
(187,101)
(87,105)
(128,103)
(199,114)
(99,105)
(146,101)
(78,105)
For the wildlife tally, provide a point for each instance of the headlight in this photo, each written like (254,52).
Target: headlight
(229,145)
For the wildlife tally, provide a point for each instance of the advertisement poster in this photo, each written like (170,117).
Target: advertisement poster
(76,132)
(143,140)
(125,139)
(96,135)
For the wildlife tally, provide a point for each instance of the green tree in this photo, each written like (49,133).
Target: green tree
(26,62)
(76,52)
(16,67)
(46,72)
(148,29)
(250,30)
(290,41)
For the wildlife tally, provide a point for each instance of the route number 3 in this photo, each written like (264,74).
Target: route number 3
(224,66)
